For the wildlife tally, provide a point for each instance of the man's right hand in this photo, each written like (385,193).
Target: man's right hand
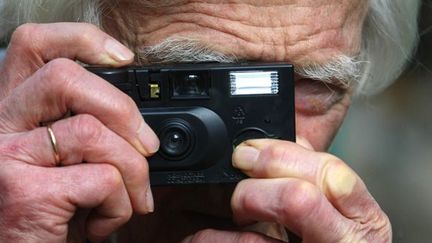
(40,83)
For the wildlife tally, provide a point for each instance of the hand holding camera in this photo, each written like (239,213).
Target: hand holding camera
(315,195)
(40,194)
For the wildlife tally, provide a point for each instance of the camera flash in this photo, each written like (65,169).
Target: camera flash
(254,82)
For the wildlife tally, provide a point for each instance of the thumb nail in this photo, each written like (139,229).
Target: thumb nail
(245,157)
(118,51)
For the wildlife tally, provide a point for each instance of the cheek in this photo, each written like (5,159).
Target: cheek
(320,130)
(318,134)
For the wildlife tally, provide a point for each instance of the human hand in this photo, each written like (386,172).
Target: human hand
(313,194)
(40,83)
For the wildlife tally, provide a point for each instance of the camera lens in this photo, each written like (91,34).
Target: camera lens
(176,140)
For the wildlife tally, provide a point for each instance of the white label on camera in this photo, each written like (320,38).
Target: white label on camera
(254,82)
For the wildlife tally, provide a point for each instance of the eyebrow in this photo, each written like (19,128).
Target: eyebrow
(342,71)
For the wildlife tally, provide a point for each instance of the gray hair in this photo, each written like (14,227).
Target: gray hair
(182,49)
(389,38)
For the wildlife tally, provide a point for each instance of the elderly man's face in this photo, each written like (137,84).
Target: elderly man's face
(302,32)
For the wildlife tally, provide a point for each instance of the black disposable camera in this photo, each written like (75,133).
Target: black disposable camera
(200,112)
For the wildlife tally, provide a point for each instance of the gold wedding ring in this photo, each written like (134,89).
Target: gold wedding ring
(54,145)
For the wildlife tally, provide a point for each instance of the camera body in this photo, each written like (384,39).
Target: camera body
(200,112)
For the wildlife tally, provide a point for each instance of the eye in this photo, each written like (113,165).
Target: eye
(315,97)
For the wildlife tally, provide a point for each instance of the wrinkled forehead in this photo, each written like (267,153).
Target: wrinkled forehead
(262,3)
(299,31)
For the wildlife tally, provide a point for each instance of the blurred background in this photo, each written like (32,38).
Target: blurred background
(387,139)
(2,51)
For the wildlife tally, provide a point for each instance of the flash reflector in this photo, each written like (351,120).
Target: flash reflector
(254,83)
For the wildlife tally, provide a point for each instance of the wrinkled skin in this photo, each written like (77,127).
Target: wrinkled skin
(313,194)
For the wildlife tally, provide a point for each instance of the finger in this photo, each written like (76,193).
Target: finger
(84,138)
(63,85)
(218,236)
(297,204)
(92,186)
(278,159)
(33,45)
(304,142)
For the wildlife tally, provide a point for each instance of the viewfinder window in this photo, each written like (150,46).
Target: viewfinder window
(190,85)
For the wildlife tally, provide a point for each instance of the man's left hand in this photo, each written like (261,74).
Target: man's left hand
(313,194)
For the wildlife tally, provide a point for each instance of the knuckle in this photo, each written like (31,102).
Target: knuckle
(336,178)
(331,160)
(131,110)
(110,177)
(111,182)
(276,157)
(125,109)
(24,34)
(245,200)
(61,67)
(60,64)
(127,106)
(248,203)
(299,200)
(327,163)
(58,73)
(87,129)
(135,169)
(276,153)
(125,214)
(140,166)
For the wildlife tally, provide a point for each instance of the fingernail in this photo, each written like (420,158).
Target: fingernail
(148,138)
(245,157)
(149,200)
(118,51)
(302,141)
(187,239)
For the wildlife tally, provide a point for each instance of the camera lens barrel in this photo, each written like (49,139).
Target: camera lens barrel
(176,139)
